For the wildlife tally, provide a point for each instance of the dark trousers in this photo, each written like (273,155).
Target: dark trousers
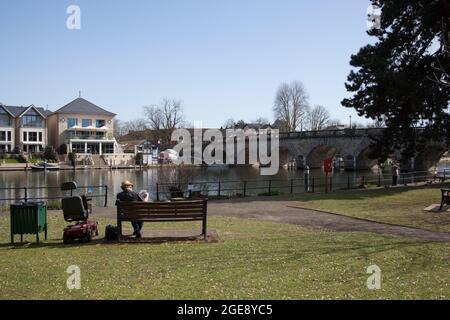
(137,226)
(394,180)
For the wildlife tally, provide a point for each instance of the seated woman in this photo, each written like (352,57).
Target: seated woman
(128,194)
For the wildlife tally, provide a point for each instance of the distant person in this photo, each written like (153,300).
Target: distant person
(395,174)
(128,194)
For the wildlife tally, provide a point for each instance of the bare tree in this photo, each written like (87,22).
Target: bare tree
(262,121)
(166,116)
(133,125)
(318,118)
(229,124)
(118,129)
(291,105)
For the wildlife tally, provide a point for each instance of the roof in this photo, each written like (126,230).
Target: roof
(17,111)
(83,106)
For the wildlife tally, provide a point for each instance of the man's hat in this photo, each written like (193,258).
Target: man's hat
(126,184)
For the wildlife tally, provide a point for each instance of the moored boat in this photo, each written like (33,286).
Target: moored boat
(45,166)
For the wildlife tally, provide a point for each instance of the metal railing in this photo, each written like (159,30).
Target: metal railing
(307,184)
(32,193)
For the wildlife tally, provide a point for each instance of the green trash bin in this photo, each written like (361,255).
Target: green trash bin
(28,218)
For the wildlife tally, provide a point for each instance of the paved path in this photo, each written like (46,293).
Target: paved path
(285,211)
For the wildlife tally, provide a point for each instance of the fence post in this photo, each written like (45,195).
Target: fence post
(218,191)
(245,188)
(379,180)
(106,196)
(157,192)
(26,194)
(331,184)
(307,179)
(292,186)
(313,185)
(270,187)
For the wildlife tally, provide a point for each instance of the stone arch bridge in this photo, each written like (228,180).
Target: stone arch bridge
(351,148)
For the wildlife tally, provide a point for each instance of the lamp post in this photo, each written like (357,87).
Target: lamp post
(350,121)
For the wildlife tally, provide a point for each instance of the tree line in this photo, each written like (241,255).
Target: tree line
(291,112)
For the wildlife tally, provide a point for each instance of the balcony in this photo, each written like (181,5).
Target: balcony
(76,135)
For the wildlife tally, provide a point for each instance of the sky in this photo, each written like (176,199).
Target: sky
(222,58)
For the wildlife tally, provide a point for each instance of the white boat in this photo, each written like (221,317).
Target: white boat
(45,166)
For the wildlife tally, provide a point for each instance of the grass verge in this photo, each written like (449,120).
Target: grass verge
(403,206)
(254,260)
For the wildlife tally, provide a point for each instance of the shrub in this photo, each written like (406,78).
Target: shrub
(62,149)
(50,154)
(72,157)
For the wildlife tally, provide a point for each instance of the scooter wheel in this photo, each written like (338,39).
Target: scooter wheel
(65,239)
(89,236)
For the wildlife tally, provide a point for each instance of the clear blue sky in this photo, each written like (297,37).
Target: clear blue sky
(222,58)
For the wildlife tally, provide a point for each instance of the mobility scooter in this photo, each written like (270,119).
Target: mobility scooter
(77,209)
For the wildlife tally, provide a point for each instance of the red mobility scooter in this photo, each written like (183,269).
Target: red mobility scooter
(77,209)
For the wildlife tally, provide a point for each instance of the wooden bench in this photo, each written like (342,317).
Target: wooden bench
(445,199)
(138,211)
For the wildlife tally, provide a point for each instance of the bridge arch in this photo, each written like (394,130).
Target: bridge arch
(429,158)
(365,160)
(316,156)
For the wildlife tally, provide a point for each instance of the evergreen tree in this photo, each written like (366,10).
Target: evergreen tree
(399,78)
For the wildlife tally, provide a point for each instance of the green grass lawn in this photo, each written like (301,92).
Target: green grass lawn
(9,161)
(253,260)
(399,206)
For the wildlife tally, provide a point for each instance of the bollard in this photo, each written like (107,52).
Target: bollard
(245,189)
(307,179)
(106,196)
(218,191)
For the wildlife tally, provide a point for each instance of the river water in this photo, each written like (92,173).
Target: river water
(233,181)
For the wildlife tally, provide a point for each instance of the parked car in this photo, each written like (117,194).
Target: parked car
(168,156)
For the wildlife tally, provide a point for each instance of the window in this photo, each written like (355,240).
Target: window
(78,147)
(40,136)
(32,136)
(32,119)
(9,136)
(2,135)
(86,123)
(71,122)
(99,135)
(5,119)
(108,148)
(24,136)
(100,123)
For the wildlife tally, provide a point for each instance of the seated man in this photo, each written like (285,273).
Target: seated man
(128,194)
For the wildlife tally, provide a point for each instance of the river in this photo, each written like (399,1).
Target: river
(232,181)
